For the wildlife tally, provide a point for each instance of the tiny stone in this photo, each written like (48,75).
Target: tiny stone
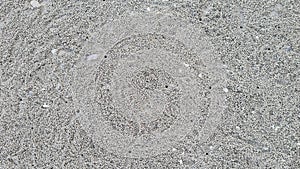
(289,48)
(225,90)
(265,148)
(35,4)
(45,106)
(186,65)
(276,128)
(54,51)
(30,93)
(200,75)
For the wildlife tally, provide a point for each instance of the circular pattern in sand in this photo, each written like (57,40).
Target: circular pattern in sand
(149,88)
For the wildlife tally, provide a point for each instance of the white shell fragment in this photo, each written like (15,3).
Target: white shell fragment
(45,106)
(92,57)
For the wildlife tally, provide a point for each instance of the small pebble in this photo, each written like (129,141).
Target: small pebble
(45,106)
(54,51)
(225,90)
(265,148)
(30,93)
(200,75)
(186,65)
(289,48)
(35,4)
(276,128)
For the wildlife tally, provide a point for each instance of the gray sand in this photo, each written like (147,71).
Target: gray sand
(149,84)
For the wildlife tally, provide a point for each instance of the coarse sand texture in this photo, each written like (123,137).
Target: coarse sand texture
(136,84)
